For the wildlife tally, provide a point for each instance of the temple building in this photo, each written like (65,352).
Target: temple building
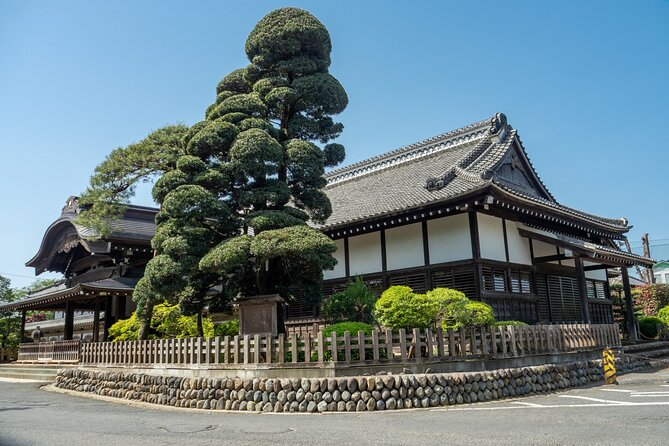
(463,210)
(99,274)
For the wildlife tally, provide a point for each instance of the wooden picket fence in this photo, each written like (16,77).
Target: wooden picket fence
(50,351)
(380,346)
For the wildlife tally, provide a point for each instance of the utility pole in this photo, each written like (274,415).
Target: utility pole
(646,253)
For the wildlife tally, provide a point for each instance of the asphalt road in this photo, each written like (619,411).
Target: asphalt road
(636,412)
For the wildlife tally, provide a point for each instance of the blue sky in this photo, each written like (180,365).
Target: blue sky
(583,82)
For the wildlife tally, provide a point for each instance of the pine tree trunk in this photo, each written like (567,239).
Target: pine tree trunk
(200,328)
(145,325)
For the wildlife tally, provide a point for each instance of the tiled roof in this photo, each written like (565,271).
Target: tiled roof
(61,292)
(459,162)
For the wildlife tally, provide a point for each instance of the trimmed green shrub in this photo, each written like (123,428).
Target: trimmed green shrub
(355,303)
(167,322)
(469,314)
(663,314)
(398,307)
(503,323)
(648,326)
(227,328)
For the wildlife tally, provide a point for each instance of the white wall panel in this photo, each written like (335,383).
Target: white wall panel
(491,237)
(598,274)
(340,268)
(449,238)
(365,253)
(519,247)
(404,246)
(542,249)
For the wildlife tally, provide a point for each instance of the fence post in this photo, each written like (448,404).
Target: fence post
(403,344)
(429,343)
(451,342)
(362,346)
(247,348)
(389,344)
(514,348)
(293,347)
(333,346)
(235,349)
(281,350)
(321,346)
(463,341)
(307,347)
(440,342)
(347,347)
(375,345)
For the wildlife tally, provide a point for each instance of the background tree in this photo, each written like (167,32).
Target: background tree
(113,183)
(354,304)
(10,322)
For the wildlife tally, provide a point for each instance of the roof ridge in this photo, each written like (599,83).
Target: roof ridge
(404,153)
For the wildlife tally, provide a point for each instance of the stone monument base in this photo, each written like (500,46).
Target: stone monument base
(261,315)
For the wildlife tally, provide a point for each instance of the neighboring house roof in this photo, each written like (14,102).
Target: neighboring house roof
(445,168)
(662,264)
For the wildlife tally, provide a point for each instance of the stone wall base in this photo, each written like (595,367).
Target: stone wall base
(351,394)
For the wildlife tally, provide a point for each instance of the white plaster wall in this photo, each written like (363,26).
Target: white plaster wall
(598,274)
(449,239)
(340,268)
(542,249)
(491,237)
(519,247)
(404,246)
(365,253)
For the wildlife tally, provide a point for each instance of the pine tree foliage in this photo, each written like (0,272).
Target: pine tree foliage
(253,163)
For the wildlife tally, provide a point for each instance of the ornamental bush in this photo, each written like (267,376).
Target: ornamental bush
(471,314)
(648,326)
(663,315)
(399,307)
(227,328)
(167,322)
(355,303)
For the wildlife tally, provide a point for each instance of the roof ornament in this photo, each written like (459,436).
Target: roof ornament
(71,206)
(498,127)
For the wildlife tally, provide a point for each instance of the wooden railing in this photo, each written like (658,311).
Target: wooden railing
(50,351)
(7,355)
(379,347)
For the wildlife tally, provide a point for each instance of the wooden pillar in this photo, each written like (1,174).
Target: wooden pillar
(476,254)
(22,336)
(69,321)
(582,290)
(109,319)
(120,307)
(629,305)
(96,320)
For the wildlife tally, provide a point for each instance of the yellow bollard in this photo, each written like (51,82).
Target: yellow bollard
(609,364)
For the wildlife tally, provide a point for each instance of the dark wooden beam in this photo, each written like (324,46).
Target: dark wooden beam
(554,258)
(22,336)
(347,262)
(629,305)
(69,321)
(596,267)
(426,255)
(476,253)
(109,319)
(384,259)
(582,290)
(96,320)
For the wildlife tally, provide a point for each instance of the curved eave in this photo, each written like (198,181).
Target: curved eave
(50,232)
(558,213)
